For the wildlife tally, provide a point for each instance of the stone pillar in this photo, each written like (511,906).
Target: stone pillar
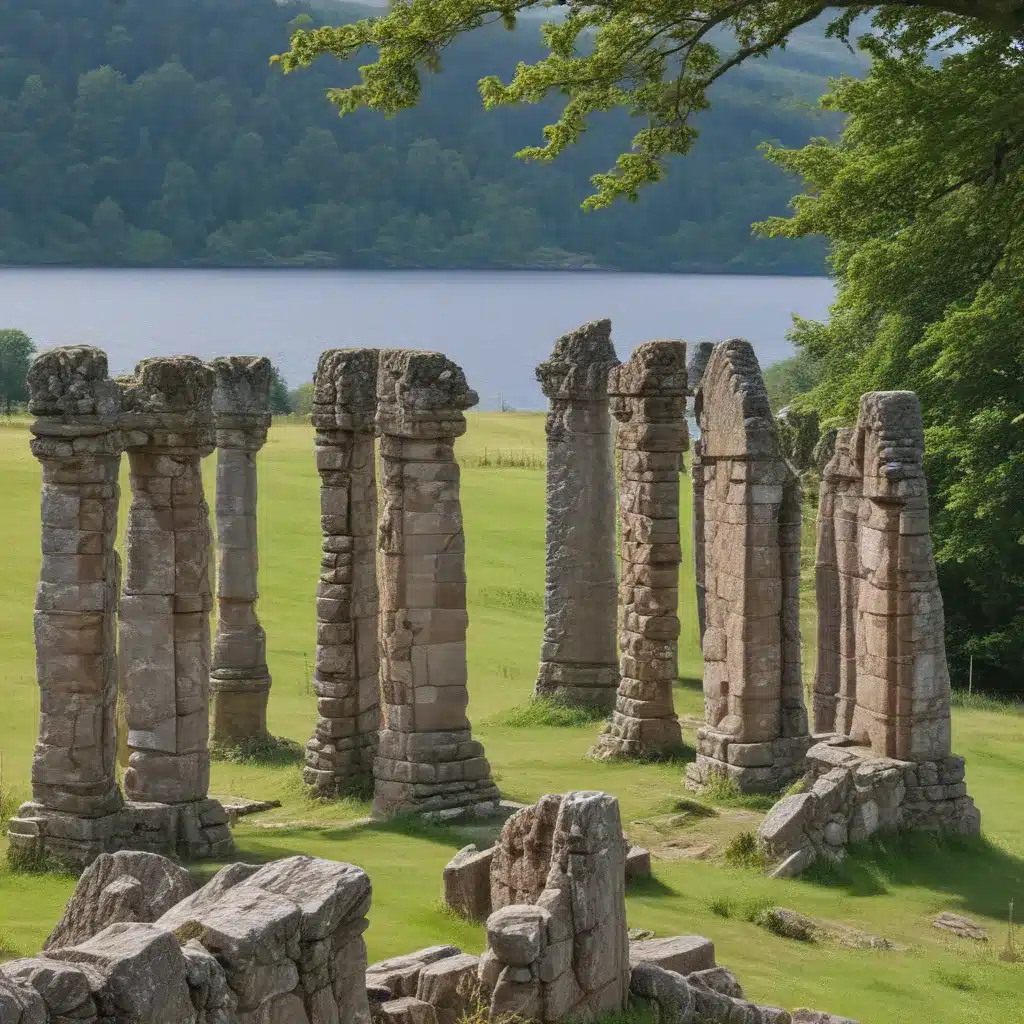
(578,662)
(78,442)
(164,634)
(427,759)
(755,728)
(83,422)
(882,677)
(339,757)
(239,680)
(648,399)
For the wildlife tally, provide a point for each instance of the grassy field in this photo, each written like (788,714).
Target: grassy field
(890,890)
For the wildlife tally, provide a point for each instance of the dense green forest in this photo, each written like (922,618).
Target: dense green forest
(142,133)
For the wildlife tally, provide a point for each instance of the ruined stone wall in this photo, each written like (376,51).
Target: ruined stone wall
(578,662)
(882,678)
(648,401)
(566,954)
(239,678)
(854,796)
(756,725)
(280,944)
(427,759)
(339,757)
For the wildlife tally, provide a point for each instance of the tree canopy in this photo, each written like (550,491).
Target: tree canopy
(139,133)
(656,58)
(922,199)
(16,351)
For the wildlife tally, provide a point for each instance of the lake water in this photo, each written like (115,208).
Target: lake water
(496,325)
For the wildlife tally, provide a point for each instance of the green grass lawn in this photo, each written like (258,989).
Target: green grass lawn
(890,890)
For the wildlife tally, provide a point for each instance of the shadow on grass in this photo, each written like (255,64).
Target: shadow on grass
(649,885)
(452,836)
(983,877)
(261,751)
(691,683)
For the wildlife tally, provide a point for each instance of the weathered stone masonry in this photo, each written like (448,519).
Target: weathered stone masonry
(882,678)
(427,759)
(77,440)
(648,397)
(578,656)
(163,416)
(164,627)
(339,757)
(882,685)
(756,725)
(239,680)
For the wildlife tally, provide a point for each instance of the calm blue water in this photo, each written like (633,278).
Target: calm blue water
(496,325)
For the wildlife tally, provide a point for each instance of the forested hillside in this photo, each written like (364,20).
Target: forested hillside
(142,133)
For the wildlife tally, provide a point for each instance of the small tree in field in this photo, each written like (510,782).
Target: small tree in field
(279,401)
(16,351)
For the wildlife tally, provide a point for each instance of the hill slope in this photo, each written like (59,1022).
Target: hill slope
(139,133)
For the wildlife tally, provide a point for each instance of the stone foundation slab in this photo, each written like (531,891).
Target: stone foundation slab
(191,831)
(755,767)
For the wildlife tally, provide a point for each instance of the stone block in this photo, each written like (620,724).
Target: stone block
(682,954)
(450,986)
(408,1010)
(137,969)
(401,974)
(782,831)
(718,979)
(515,934)
(668,990)
(63,988)
(638,863)
(467,883)
(101,898)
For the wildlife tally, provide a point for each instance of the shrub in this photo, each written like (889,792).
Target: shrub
(547,713)
(742,851)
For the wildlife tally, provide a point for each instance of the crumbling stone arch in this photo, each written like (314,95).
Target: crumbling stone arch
(882,679)
(755,728)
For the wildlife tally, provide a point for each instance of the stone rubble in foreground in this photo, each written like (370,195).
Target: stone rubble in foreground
(139,943)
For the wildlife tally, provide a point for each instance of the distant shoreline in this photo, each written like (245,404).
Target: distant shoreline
(320,268)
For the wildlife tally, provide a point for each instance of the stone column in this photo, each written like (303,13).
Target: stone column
(756,725)
(578,662)
(339,757)
(648,399)
(78,442)
(427,759)
(240,680)
(164,634)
